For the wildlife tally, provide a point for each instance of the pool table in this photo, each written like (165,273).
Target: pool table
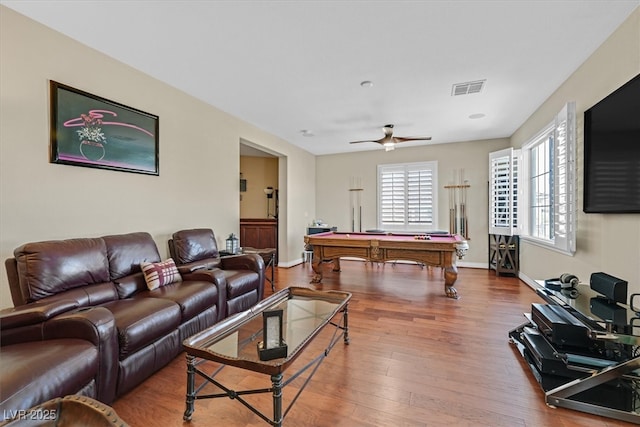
(438,250)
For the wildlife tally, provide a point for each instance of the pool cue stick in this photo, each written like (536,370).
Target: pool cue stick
(463,213)
(465,217)
(453,210)
(353,218)
(458,210)
(352,202)
(359,203)
(360,189)
(461,203)
(451,216)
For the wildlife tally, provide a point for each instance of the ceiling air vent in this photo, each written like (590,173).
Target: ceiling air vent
(467,88)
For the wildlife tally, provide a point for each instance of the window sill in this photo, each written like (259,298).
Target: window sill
(545,244)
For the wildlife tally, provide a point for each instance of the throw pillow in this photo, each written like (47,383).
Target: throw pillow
(158,274)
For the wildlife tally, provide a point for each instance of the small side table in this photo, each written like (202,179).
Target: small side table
(269,257)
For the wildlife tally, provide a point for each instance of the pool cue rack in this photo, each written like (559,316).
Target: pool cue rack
(458,215)
(355,196)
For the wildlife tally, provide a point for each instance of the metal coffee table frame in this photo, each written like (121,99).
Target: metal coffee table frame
(198,349)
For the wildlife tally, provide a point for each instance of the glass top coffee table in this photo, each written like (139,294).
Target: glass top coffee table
(234,342)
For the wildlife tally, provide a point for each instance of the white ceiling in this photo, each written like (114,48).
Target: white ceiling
(285,66)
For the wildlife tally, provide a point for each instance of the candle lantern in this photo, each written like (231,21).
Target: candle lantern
(233,244)
(273,345)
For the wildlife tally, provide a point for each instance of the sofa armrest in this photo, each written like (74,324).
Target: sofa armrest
(96,325)
(253,262)
(217,278)
(36,312)
(208,264)
(187,269)
(92,324)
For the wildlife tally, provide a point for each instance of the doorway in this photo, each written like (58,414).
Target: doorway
(260,197)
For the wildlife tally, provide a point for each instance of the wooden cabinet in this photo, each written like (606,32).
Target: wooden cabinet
(259,233)
(504,256)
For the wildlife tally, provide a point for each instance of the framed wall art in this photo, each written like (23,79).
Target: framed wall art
(90,131)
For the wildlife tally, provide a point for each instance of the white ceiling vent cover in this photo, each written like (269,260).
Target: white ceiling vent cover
(468,88)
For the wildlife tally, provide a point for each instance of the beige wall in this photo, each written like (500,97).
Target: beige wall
(199,168)
(334,174)
(260,173)
(609,243)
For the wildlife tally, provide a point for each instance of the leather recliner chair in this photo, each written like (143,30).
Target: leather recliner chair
(197,250)
(52,349)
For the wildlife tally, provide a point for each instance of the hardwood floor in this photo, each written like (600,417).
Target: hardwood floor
(416,358)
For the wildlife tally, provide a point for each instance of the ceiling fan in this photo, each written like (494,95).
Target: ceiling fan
(389,141)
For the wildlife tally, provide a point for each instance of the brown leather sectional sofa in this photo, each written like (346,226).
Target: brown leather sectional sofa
(85,321)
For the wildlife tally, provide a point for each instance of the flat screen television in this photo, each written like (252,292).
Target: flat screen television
(612,152)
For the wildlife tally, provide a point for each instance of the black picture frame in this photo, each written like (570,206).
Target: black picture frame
(91,131)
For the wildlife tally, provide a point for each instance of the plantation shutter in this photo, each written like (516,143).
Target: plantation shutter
(564,179)
(420,196)
(392,191)
(503,192)
(407,196)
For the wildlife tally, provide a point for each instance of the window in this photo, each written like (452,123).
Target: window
(550,184)
(532,191)
(540,155)
(407,196)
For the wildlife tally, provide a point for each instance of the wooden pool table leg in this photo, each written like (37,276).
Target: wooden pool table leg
(317,270)
(450,277)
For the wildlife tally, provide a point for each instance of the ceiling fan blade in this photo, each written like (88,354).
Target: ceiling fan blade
(411,138)
(378,141)
(389,140)
(358,142)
